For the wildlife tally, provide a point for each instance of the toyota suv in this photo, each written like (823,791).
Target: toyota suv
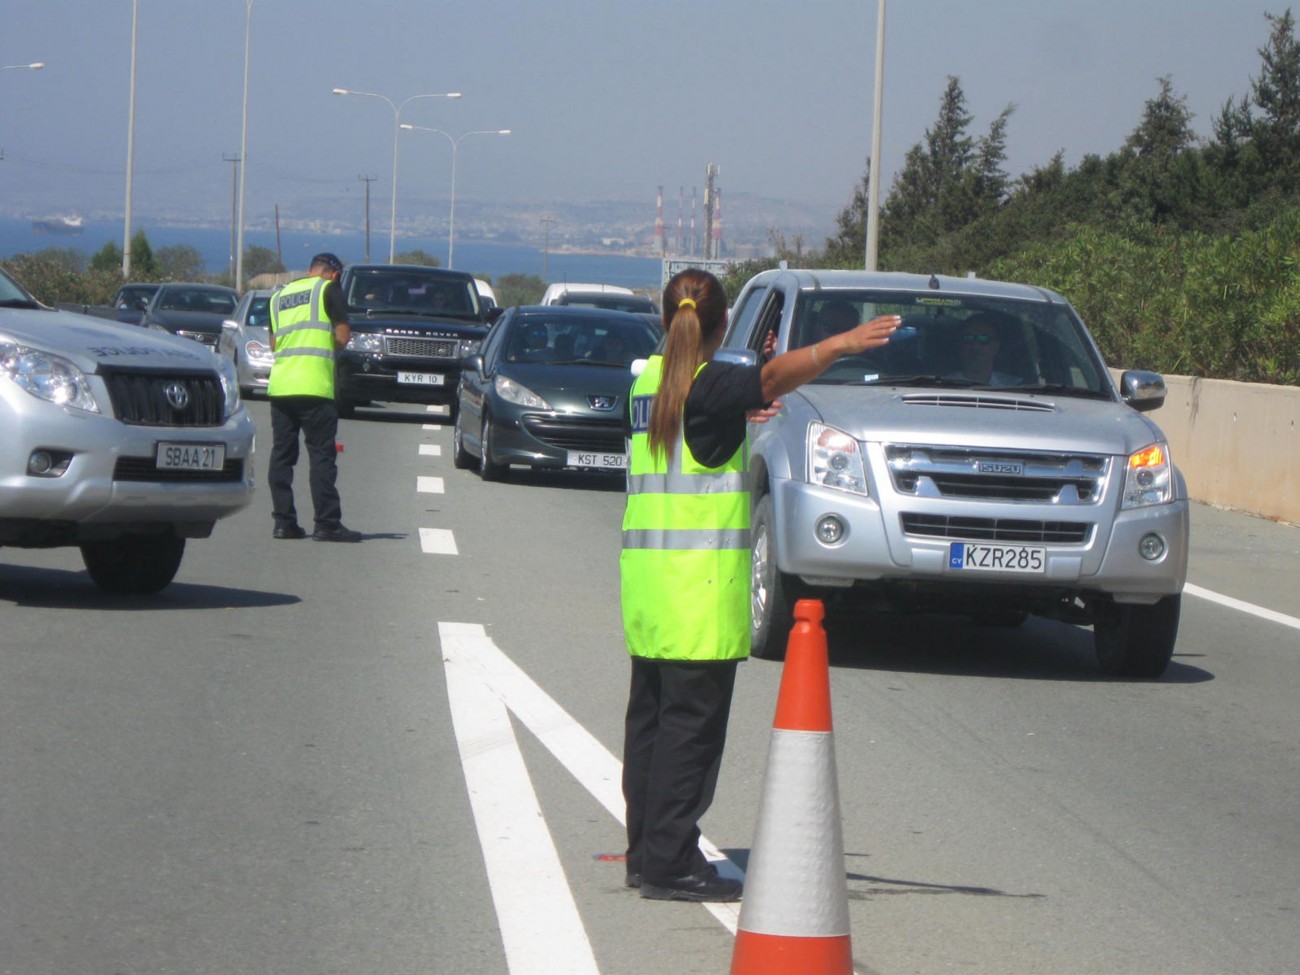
(983,463)
(411,325)
(120,441)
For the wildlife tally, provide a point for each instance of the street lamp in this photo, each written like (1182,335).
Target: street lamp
(397,128)
(872,228)
(243,155)
(455,145)
(34,66)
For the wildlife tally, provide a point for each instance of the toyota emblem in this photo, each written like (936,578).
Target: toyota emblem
(177,395)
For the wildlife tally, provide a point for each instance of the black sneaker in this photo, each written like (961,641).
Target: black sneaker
(339,534)
(702,886)
(289,531)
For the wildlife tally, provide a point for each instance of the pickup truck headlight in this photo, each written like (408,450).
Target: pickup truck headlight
(513,392)
(47,376)
(368,343)
(1148,478)
(835,460)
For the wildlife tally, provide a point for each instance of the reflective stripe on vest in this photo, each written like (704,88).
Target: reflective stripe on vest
(685,560)
(304,341)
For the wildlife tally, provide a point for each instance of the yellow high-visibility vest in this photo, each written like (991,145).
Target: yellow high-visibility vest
(304,341)
(685,561)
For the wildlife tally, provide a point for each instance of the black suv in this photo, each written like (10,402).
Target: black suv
(410,327)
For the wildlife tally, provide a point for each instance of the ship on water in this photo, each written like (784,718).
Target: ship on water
(68,224)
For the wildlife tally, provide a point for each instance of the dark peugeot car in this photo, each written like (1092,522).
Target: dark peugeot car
(549,390)
(411,325)
(192,311)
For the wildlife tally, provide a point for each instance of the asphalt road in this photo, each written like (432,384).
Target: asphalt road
(395,757)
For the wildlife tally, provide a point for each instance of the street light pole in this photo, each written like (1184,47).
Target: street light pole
(873,177)
(34,66)
(455,147)
(397,129)
(130,148)
(243,154)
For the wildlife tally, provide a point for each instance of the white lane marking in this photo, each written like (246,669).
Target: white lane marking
(599,772)
(1244,607)
(442,409)
(430,450)
(432,426)
(540,927)
(429,485)
(437,541)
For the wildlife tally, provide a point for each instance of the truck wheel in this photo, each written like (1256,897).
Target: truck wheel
(488,469)
(134,564)
(772,593)
(461,458)
(1136,641)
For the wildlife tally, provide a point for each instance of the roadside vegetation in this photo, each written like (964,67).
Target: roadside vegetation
(1179,251)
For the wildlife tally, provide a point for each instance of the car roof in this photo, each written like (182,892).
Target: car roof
(814,280)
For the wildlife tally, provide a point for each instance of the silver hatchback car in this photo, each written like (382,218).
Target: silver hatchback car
(984,463)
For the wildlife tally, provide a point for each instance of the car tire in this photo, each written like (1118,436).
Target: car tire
(489,469)
(772,592)
(461,458)
(1135,640)
(134,564)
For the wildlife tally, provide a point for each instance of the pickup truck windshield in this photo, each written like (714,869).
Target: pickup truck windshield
(957,341)
(407,291)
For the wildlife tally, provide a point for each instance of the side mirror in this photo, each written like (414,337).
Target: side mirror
(491,314)
(472,363)
(1144,391)
(737,356)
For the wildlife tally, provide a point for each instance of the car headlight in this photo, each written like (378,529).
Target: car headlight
(258,352)
(513,392)
(47,376)
(835,460)
(1148,477)
(229,383)
(469,347)
(370,343)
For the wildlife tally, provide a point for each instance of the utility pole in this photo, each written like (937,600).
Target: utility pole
(367,180)
(234,196)
(546,246)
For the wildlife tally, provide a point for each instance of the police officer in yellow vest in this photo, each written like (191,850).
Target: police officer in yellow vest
(309,321)
(685,568)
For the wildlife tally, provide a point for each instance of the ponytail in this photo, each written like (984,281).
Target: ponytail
(695,311)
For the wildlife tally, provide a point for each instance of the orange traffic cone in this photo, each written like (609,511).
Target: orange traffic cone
(795,915)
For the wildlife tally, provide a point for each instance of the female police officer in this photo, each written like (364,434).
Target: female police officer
(685,572)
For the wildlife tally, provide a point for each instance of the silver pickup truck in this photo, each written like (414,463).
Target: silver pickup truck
(983,464)
(120,441)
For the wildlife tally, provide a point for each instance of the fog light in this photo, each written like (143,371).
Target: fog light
(1151,547)
(830,530)
(39,463)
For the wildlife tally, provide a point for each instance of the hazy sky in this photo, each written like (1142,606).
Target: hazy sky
(606,98)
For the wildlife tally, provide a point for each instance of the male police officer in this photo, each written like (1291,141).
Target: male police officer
(309,320)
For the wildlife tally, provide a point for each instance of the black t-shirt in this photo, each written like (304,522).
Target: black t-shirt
(336,307)
(714,415)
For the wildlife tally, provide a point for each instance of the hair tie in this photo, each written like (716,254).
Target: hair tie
(686,301)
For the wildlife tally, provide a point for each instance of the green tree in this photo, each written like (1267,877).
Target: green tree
(59,276)
(417,256)
(261,260)
(107,258)
(518,289)
(1276,93)
(180,262)
(143,265)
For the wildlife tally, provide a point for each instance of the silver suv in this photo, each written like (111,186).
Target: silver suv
(983,463)
(121,441)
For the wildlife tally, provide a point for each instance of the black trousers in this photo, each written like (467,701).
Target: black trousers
(317,420)
(674,733)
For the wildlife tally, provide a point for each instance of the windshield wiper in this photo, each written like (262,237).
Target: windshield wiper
(921,379)
(18,303)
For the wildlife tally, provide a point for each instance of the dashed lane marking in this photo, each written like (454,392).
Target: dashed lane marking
(429,485)
(437,541)
(430,450)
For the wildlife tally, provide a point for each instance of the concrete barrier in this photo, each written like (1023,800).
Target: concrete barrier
(1238,444)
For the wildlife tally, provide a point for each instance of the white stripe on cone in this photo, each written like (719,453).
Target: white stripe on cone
(795,884)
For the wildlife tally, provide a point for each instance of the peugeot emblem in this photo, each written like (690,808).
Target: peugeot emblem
(177,395)
(602,403)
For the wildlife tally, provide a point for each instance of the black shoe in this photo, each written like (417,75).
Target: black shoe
(632,880)
(289,531)
(704,885)
(339,534)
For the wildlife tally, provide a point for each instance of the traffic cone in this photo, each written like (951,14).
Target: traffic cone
(794,919)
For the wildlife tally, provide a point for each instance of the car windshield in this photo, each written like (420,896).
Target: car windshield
(205,300)
(129,295)
(408,291)
(589,340)
(956,341)
(610,302)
